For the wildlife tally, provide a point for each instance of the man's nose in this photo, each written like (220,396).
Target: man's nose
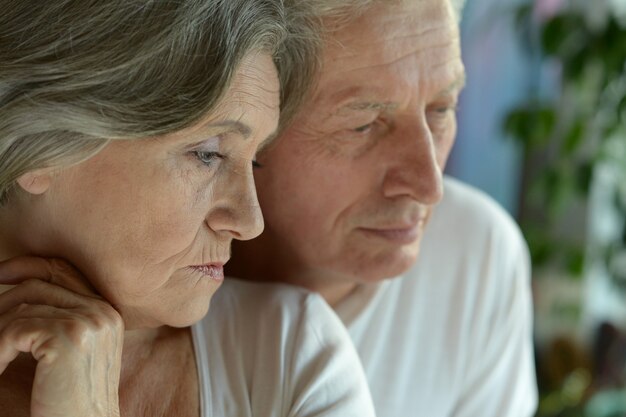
(413,169)
(237,213)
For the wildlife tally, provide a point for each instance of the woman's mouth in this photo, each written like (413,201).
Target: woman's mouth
(212,271)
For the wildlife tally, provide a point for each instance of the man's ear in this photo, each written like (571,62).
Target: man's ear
(36,182)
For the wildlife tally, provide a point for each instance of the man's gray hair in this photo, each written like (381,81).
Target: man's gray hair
(343,10)
(75,74)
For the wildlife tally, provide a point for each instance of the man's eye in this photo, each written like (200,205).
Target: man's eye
(364,129)
(256,164)
(207,158)
(445,109)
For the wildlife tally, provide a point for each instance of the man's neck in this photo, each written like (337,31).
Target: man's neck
(261,260)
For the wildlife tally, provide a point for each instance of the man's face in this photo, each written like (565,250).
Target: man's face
(349,187)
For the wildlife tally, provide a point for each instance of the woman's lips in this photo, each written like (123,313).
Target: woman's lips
(212,271)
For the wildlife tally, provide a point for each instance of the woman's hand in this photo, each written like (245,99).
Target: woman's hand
(74,335)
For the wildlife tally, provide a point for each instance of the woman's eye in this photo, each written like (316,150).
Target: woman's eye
(256,164)
(207,158)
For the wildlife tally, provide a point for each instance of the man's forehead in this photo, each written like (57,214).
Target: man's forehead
(383,58)
(373,42)
(381,96)
(403,23)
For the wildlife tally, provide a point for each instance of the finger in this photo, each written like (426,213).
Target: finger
(28,328)
(53,270)
(5,288)
(34,291)
(11,345)
(45,330)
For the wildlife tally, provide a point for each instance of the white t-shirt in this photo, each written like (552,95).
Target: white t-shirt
(453,336)
(268,350)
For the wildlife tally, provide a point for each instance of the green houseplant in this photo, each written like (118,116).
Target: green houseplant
(572,137)
(574,130)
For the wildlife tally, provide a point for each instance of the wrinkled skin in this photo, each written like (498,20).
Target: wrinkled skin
(347,190)
(119,239)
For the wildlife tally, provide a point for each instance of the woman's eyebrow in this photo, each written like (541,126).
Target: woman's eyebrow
(233,126)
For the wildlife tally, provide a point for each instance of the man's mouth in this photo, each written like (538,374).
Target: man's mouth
(399,234)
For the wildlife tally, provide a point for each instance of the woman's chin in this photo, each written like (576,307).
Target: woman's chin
(182,316)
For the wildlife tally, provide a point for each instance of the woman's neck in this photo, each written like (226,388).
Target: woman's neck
(10,245)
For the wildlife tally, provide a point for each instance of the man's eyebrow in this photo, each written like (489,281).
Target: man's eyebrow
(233,125)
(369,106)
(457,85)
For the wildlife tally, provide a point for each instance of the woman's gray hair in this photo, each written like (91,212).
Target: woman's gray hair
(75,74)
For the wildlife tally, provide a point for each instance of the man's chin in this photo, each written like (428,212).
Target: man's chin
(390,266)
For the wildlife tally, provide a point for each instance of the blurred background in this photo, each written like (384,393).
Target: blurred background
(542,129)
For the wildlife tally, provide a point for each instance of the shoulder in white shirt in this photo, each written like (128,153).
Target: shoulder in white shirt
(268,350)
(453,336)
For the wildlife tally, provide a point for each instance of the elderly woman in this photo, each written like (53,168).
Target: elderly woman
(128,130)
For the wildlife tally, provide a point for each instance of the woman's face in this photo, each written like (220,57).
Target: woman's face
(150,222)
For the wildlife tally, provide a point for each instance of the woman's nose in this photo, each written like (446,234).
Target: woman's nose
(238,212)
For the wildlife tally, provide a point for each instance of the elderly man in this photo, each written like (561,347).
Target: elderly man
(353,189)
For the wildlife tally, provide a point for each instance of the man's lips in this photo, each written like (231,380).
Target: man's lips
(399,234)
(214,271)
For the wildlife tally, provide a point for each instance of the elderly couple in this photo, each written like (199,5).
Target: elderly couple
(132,134)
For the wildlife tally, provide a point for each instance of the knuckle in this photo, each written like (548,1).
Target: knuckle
(19,326)
(97,321)
(21,308)
(32,284)
(58,266)
(77,331)
(115,321)
(105,318)
(16,324)
(112,316)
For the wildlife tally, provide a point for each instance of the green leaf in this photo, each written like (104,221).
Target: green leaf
(531,125)
(559,186)
(554,33)
(575,261)
(574,136)
(515,124)
(584,176)
(612,48)
(622,110)
(564,36)
(543,126)
(541,247)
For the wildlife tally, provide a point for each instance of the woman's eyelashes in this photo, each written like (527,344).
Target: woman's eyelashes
(208,158)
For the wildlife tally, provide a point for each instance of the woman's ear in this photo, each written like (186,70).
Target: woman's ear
(35,182)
